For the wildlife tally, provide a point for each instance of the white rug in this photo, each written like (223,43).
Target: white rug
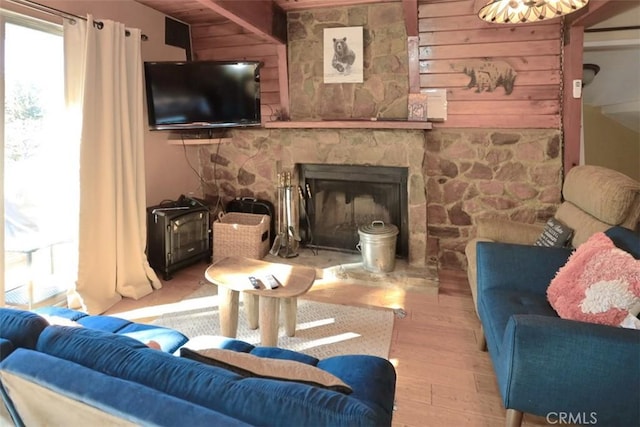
(323,330)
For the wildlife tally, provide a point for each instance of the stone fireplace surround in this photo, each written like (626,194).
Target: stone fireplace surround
(248,166)
(513,174)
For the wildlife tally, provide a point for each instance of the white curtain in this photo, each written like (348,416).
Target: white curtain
(104,89)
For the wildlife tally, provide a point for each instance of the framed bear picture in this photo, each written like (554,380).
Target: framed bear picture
(343,51)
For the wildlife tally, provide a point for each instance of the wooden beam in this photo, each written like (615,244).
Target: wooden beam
(283,77)
(597,11)
(413,51)
(410,8)
(572,107)
(260,17)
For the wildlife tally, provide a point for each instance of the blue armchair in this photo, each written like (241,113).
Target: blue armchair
(564,370)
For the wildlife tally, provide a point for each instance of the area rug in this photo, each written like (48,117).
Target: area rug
(323,330)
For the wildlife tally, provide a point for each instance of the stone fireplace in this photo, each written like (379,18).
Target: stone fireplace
(248,167)
(341,198)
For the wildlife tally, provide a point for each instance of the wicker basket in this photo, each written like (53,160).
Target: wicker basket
(241,234)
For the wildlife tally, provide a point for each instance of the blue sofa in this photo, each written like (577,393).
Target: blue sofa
(559,369)
(104,374)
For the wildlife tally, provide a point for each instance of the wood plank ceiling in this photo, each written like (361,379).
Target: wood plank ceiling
(208,12)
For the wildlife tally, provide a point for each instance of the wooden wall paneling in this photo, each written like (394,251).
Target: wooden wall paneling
(465,22)
(459,79)
(455,44)
(271,98)
(519,121)
(520,63)
(448,8)
(499,48)
(226,28)
(269,86)
(269,73)
(253,51)
(546,107)
(495,34)
(531,93)
(234,40)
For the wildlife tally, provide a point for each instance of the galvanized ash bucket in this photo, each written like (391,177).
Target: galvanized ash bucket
(378,246)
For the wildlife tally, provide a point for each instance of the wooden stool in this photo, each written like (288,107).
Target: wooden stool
(231,275)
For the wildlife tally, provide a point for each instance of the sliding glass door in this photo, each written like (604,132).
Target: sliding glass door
(40,166)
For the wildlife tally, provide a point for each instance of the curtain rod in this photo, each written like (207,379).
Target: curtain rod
(57,12)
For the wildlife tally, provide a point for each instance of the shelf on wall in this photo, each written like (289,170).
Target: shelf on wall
(203,141)
(349,124)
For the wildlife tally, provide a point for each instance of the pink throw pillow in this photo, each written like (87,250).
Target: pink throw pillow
(600,283)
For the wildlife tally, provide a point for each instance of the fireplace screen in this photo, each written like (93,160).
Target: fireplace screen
(340,198)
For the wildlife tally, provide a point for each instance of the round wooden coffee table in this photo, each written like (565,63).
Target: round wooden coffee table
(231,275)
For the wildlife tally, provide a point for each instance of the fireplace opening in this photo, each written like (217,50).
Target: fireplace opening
(338,199)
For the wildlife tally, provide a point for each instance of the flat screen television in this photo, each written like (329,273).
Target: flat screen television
(202,94)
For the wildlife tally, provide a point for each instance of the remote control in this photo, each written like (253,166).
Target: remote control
(270,281)
(254,282)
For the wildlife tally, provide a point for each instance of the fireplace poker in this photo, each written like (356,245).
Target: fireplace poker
(303,203)
(277,241)
(289,206)
(310,206)
(287,242)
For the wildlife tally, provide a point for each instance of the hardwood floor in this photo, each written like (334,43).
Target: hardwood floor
(443,379)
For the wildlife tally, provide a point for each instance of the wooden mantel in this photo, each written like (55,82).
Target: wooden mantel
(349,124)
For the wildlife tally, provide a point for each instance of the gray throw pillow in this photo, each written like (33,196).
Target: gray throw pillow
(555,234)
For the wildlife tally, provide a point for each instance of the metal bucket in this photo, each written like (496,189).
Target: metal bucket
(378,246)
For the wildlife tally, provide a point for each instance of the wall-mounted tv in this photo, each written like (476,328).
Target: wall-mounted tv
(202,94)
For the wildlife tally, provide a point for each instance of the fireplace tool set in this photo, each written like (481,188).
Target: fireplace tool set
(287,239)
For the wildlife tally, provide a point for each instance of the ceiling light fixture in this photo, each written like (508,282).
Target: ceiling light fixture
(523,11)
(589,72)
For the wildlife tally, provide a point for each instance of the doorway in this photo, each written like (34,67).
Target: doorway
(40,169)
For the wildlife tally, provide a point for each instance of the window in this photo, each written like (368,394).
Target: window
(40,165)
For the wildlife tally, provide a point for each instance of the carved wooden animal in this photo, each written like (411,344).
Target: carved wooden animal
(488,75)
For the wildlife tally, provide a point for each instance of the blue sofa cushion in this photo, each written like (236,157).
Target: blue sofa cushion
(373,379)
(255,401)
(216,341)
(170,340)
(283,353)
(626,240)
(20,328)
(128,400)
(498,305)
